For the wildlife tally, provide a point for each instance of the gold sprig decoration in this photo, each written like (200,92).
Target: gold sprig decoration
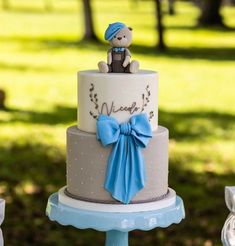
(94,99)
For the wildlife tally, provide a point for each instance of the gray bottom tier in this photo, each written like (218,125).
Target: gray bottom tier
(87,162)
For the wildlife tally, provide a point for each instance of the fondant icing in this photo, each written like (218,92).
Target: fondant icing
(87,163)
(119,95)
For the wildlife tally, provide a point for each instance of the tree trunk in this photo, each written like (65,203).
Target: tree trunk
(2,99)
(89,34)
(134,3)
(48,5)
(232,2)
(160,29)
(171,7)
(5,4)
(210,13)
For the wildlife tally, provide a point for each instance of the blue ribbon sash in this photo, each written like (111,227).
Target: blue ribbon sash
(125,174)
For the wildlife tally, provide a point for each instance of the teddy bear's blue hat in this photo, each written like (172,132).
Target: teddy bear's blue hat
(113,29)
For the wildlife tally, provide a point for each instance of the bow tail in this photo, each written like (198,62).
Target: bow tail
(135,175)
(125,174)
(114,182)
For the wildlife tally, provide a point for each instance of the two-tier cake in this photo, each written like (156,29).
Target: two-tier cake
(117,154)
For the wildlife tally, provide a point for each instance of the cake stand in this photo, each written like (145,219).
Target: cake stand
(111,218)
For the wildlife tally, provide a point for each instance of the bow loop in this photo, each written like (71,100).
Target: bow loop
(125,175)
(142,131)
(227,235)
(107,130)
(230,198)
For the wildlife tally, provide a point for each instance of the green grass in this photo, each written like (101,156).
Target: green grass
(39,57)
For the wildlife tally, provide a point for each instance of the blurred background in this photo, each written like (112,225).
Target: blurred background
(43,43)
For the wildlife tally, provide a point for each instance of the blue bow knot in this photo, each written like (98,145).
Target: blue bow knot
(125,175)
(125,129)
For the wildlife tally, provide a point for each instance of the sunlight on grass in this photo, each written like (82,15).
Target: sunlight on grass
(26,187)
(40,55)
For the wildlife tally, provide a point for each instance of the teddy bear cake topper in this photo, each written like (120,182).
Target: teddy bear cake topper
(119,57)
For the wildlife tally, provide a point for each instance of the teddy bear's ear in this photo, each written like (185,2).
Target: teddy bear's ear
(130,28)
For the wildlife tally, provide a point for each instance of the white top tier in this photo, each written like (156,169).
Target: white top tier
(119,95)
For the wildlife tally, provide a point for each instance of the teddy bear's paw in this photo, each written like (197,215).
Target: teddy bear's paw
(103,67)
(134,67)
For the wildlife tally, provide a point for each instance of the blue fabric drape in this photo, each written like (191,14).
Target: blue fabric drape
(125,175)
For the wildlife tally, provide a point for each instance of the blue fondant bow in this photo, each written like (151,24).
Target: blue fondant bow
(125,174)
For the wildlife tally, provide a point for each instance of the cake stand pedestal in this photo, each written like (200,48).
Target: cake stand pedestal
(116,225)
